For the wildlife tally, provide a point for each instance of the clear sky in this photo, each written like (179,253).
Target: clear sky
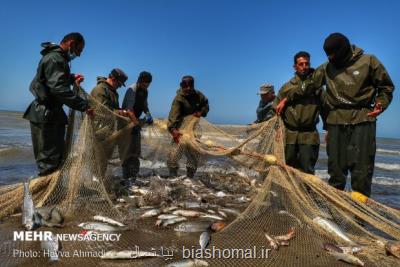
(230,47)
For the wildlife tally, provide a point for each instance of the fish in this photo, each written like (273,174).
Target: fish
(220,194)
(169,209)
(189,263)
(222,213)
(204,239)
(28,208)
(286,237)
(242,199)
(192,227)
(272,241)
(127,254)
(332,248)
(187,213)
(211,216)
(218,226)
(107,220)
(150,213)
(347,258)
(284,212)
(141,191)
(190,205)
(393,248)
(230,211)
(46,216)
(333,229)
(351,250)
(211,211)
(173,221)
(102,227)
(51,247)
(167,216)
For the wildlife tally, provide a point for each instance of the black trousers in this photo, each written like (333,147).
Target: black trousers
(130,155)
(48,145)
(302,156)
(352,148)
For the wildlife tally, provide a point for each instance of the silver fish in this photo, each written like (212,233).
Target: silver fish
(167,216)
(187,213)
(173,221)
(204,239)
(333,229)
(230,211)
(189,263)
(51,247)
(192,227)
(27,209)
(222,213)
(332,248)
(150,213)
(107,220)
(347,258)
(169,209)
(211,216)
(351,250)
(127,254)
(102,227)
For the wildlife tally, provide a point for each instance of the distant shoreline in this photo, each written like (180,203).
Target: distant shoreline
(220,124)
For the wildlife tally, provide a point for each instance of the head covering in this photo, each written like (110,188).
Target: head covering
(119,75)
(337,47)
(266,88)
(145,77)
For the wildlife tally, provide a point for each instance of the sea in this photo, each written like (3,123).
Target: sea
(17,161)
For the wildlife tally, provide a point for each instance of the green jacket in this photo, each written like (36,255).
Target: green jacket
(51,88)
(300,116)
(351,91)
(183,106)
(105,94)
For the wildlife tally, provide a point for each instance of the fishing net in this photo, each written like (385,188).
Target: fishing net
(240,169)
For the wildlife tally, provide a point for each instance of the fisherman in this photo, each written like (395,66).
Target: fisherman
(135,101)
(264,110)
(105,92)
(358,89)
(301,117)
(188,101)
(51,88)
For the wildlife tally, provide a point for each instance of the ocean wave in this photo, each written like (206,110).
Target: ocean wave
(380,180)
(388,151)
(388,166)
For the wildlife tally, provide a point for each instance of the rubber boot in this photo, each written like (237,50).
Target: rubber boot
(190,172)
(173,172)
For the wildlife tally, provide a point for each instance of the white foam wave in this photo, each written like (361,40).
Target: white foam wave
(388,151)
(381,180)
(388,166)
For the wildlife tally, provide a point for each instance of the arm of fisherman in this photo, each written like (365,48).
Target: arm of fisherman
(280,101)
(383,83)
(205,107)
(59,84)
(312,83)
(174,116)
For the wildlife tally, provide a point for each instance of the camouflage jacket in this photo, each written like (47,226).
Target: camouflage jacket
(105,94)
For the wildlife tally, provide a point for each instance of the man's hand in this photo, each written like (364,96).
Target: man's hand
(377,110)
(281,106)
(326,137)
(78,79)
(90,112)
(197,114)
(176,135)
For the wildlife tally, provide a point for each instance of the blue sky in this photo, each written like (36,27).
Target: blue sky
(230,47)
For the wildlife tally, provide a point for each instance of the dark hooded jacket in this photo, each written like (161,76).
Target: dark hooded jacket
(184,105)
(51,88)
(351,90)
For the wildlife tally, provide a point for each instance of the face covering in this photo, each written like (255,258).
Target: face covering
(337,47)
(71,55)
